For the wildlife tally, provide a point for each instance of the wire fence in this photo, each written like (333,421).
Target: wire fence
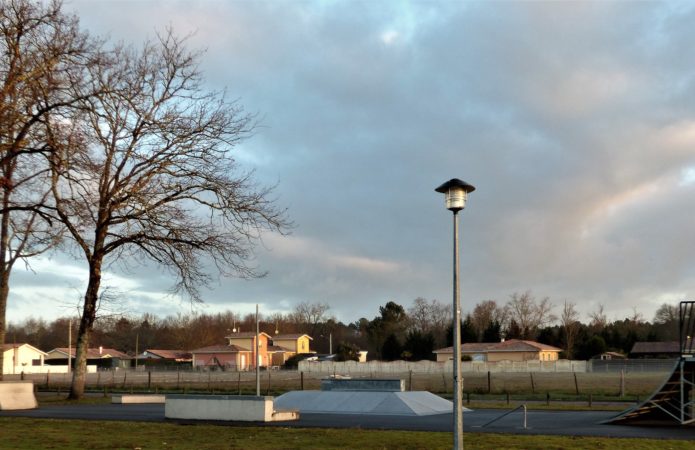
(274,382)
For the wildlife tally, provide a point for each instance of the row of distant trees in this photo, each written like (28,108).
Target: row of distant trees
(395,333)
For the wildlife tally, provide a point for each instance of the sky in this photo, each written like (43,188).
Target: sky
(575,121)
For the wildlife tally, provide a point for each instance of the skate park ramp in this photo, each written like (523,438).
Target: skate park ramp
(673,402)
(415,403)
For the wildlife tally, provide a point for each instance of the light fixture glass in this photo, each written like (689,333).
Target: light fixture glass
(455,194)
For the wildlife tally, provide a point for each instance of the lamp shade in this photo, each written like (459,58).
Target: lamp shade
(455,193)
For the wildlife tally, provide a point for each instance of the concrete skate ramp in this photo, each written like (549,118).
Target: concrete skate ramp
(417,403)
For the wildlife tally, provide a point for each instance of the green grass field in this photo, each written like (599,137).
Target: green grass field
(24,433)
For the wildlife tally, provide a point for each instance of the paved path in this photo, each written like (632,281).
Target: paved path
(577,423)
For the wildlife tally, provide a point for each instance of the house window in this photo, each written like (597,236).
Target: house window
(35,362)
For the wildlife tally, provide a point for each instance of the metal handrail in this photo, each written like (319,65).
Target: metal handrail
(506,414)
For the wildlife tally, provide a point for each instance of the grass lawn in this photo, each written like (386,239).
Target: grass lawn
(24,433)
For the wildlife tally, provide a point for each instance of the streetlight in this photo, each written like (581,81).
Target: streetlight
(455,193)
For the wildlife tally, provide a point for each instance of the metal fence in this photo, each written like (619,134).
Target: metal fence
(631,365)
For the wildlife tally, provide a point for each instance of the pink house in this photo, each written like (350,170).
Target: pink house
(238,354)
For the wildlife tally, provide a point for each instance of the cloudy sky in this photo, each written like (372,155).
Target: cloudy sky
(574,120)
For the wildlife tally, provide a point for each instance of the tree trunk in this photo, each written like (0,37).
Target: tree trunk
(79,375)
(5,265)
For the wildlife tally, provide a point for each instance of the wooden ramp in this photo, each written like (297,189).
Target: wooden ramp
(671,403)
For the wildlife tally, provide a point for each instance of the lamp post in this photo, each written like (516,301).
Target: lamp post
(455,192)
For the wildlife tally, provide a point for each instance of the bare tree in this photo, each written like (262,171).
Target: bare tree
(310,316)
(44,56)
(487,313)
(667,313)
(571,325)
(430,317)
(599,320)
(149,176)
(530,314)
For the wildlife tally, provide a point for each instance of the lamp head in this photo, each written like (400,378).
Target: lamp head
(455,193)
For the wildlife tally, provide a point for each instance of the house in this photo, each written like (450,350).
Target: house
(284,346)
(605,356)
(670,349)
(510,350)
(18,358)
(103,358)
(238,354)
(159,357)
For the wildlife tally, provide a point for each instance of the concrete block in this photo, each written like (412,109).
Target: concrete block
(244,408)
(138,399)
(17,395)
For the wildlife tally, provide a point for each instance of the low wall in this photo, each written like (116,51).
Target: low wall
(244,408)
(17,395)
(137,399)
(431,367)
(18,370)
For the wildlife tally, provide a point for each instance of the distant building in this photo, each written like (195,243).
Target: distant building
(159,357)
(18,358)
(610,356)
(510,350)
(238,354)
(669,349)
(103,358)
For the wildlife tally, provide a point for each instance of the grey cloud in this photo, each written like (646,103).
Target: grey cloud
(555,111)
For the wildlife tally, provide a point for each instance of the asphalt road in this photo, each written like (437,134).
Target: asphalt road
(572,423)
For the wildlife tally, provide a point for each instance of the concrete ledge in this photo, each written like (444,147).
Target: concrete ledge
(17,395)
(244,408)
(138,399)
(363,384)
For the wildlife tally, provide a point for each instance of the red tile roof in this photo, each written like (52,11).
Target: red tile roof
(220,349)
(170,354)
(94,353)
(291,336)
(656,347)
(246,335)
(512,345)
(516,345)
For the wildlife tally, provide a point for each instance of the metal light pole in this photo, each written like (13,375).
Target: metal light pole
(456,192)
(256,354)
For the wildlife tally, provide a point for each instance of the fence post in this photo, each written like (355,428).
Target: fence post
(489,382)
(622,383)
(576,384)
(410,381)
(267,392)
(301,381)
(178,379)
(238,383)
(547,398)
(590,399)
(533,386)
(149,380)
